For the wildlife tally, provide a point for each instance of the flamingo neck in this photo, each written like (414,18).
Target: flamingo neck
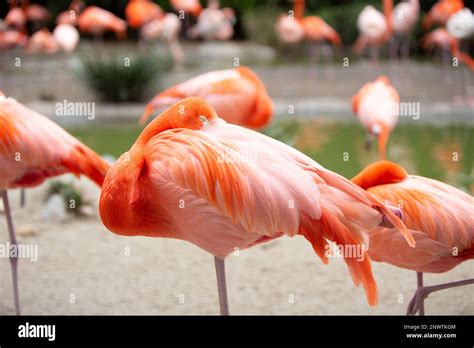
(388,10)
(298,8)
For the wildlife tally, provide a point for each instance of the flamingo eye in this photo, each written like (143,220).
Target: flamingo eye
(203,119)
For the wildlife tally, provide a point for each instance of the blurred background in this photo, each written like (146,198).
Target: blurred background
(315,80)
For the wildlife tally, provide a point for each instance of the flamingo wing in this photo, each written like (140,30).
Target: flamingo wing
(237,95)
(268,188)
(33,148)
(442,212)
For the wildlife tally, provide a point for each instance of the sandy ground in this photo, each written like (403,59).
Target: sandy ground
(84,269)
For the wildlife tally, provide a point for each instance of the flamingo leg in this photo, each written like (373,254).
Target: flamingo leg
(405,48)
(419,283)
(221,286)
(22,197)
(13,259)
(422,293)
(176,51)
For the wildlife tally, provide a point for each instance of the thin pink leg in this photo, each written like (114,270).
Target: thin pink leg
(14,259)
(419,283)
(422,293)
(221,286)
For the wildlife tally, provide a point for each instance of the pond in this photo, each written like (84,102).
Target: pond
(442,153)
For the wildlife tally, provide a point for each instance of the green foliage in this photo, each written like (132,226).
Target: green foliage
(260,24)
(117,79)
(343,19)
(69,194)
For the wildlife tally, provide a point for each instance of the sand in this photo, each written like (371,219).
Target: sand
(84,269)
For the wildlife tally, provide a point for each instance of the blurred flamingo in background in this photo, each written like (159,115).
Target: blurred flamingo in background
(375,29)
(140,12)
(441,11)
(438,216)
(67,37)
(405,16)
(312,28)
(461,24)
(16,17)
(32,149)
(238,95)
(155,24)
(316,30)
(166,29)
(376,105)
(11,38)
(192,7)
(288,25)
(214,23)
(42,42)
(70,16)
(440,38)
(36,14)
(96,21)
(192,176)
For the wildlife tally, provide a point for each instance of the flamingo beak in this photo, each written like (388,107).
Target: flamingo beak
(386,222)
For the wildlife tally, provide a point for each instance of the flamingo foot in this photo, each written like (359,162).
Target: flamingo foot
(417,302)
(221,286)
(14,259)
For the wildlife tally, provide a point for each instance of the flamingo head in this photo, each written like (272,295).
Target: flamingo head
(192,113)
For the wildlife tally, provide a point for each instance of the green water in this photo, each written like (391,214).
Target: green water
(443,153)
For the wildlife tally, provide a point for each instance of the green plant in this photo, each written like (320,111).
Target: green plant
(260,24)
(122,79)
(71,196)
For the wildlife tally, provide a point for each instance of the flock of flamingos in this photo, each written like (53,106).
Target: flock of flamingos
(200,171)
(394,26)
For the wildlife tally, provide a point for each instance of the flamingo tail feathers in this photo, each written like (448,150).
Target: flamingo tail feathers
(84,161)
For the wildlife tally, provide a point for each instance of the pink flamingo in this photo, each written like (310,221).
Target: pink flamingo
(11,38)
(16,17)
(438,216)
(375,28)
(67,37)
(70,16)
(192,7)
(214,23)
(166,29)
(42,42)
(314,28)
(192,176)
(96,21)
(405,16)
(32,149)
(141,12)
(288,25)
(238,95)
(36,14)
(449,45)
(441,12)
(375,105)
